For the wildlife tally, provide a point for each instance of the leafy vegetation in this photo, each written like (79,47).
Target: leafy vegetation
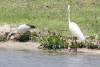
(91,45)
(51,41)
(33,36)
(26,37)
(3,38)
(79,45)
(23,37)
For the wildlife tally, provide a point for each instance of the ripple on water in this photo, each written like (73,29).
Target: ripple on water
(27,58)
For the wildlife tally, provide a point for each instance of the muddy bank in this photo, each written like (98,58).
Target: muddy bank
(24,46)
(80,51)
(19,45)
(86,51)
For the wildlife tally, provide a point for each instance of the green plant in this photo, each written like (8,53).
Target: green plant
(3,38)
(72,46)
(34,36)
(91,45)
(23,37)
(92,37)
(27,36)
(81,45)
(51,41)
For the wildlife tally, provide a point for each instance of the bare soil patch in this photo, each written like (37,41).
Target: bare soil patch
(20,45)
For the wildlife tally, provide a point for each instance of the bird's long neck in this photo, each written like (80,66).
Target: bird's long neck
(69,14)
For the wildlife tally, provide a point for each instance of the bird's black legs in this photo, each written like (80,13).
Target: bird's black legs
(75,45)
(74,38)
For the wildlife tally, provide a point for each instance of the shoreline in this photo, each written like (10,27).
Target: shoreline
(19,45)
(24,46)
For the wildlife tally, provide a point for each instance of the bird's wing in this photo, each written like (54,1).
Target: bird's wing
(23,28)
(75,30)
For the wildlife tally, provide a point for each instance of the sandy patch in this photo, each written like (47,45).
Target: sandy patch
(80,51)
(86,51)
(20,45)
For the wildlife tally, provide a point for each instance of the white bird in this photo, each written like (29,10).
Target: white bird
(74,28)
(24,28)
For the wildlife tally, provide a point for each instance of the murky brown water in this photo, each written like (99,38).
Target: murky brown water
(27,58)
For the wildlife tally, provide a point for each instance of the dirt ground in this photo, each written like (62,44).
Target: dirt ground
(12,45)
(20,45)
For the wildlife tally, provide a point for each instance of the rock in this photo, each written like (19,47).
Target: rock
(12,37)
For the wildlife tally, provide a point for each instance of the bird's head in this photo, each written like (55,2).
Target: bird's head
(48,31)
(31,26)
(68,6)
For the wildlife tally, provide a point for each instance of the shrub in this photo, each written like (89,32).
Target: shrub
(34,36)
(3,38)
(51,41)
(26,37)
(91,45)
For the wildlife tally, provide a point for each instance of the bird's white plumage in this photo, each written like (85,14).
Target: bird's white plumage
(23,28)
(74,28)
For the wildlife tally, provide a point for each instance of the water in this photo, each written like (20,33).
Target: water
(27,58)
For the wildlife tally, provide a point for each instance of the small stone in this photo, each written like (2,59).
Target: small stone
(12,37)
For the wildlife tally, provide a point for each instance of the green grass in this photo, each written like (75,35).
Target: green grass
(86,13)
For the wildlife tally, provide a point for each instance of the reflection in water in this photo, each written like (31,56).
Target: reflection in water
(32,58)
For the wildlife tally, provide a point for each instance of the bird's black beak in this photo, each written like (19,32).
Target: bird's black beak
(32,26)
